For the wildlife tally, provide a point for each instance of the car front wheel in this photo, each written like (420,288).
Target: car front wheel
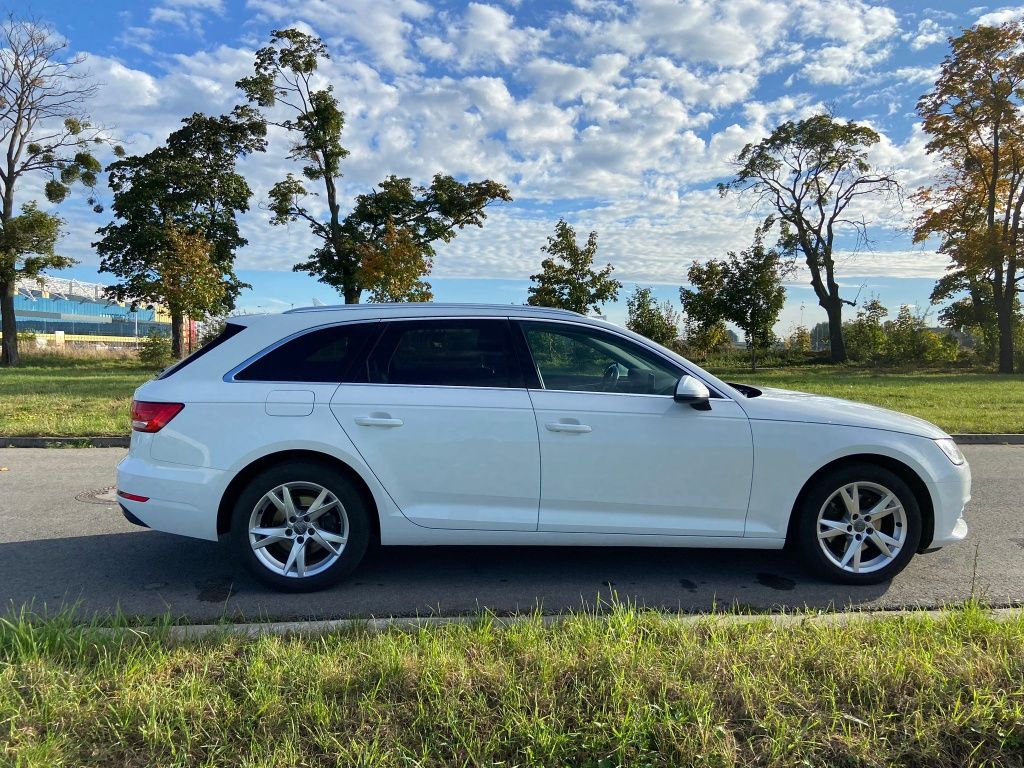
(300,527)
(858,525)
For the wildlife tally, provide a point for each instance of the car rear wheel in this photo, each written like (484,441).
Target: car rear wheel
(300,527)
(858,525)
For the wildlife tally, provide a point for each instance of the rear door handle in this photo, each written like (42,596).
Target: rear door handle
(576,429)
(378,421)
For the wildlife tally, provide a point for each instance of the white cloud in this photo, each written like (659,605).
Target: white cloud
(929,32)
(1000,16)
(484,37)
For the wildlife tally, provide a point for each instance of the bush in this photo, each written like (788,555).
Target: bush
(155,350)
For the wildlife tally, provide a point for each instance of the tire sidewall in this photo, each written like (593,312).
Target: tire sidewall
(822,489)
(334,481)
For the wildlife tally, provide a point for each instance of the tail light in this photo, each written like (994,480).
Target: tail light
(152,417)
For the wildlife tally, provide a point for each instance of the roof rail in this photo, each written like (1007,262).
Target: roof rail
(410,304)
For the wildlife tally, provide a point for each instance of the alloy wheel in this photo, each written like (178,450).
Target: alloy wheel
(862,527)
(298,529)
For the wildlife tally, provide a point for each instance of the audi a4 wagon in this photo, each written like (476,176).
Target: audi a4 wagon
(307,436)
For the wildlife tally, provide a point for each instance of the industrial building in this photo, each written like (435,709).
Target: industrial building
(57,311)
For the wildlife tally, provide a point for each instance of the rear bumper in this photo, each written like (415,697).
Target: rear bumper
(182,500)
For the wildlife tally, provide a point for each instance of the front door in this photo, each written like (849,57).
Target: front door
(446,424)
(618,454)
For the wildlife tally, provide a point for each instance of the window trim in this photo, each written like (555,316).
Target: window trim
(371,340)
(518,381)
(521,322)
(230,331)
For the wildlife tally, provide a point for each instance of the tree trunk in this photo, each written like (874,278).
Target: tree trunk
(1005,317)
(177,334)
(834,309)
(351,292)
(9,354)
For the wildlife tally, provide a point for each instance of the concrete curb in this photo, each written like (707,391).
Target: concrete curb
(123,442)
(187,632)
(64,442)
(989,439)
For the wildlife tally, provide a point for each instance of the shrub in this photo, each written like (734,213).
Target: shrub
(155,350)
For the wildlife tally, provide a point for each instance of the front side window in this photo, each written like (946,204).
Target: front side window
(445,353)
(322,355)
(576,359)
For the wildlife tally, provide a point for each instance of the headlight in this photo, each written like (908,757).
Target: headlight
(950,448)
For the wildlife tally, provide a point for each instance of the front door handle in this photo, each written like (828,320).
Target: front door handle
(378,421)
(576,429)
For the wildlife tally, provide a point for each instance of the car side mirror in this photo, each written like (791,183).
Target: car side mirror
(694,392)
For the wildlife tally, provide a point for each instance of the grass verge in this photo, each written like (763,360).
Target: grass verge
(631,689)
(957,402)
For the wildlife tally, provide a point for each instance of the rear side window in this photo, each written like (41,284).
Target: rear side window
(446,353)
(323,355)
(231,329)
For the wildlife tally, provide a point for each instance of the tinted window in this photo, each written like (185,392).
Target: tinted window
(324,355)
(231,329)
(450,353)
(584,360)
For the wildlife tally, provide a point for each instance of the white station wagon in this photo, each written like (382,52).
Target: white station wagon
(308,435)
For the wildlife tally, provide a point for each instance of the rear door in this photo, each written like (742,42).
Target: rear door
(443,419)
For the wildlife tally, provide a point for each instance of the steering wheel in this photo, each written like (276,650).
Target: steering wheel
(610,378)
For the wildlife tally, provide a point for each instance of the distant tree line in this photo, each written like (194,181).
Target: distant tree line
(174,233)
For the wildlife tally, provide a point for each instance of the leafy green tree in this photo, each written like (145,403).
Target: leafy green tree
(865,336)
(908,339)
(702,339)
(44,131)
(394,226)
(658,322)
(388,238)
(567,279)
(189,187)
(809,173)
(975,118)
(744,288)
(799,340)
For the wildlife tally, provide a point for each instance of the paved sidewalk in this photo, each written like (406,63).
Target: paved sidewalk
(57,551)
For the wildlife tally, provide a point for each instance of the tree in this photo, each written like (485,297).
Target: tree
(744,288)
(810,172)
(704,338)
(865,336)
(658,322)
(189,187)
(393,226)
(190,281)
(974,118)
(567,279)
(44,130)
(387,241)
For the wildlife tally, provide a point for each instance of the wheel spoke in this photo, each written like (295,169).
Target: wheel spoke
(851,498)
(881,543)
(858,548)
(832,528)
(335,538)
(851,548)
(270,536)
(300,561)
(318,507)
(320,539)
(292,555)
(882,508)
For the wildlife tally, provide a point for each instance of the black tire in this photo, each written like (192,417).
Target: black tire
(351,520)
(821,491)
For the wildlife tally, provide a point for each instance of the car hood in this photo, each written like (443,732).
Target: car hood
(785,405)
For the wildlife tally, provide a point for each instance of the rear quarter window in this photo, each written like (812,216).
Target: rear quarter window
(230,330)
(323,355)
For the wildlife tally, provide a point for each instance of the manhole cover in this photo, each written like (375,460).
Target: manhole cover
(103,496)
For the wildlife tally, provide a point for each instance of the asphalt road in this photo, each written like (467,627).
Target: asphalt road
(58,551)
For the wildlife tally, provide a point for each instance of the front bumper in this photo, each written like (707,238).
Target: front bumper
(949,499)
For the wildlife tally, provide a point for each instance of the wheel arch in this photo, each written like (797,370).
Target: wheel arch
(242,478)
(897,467)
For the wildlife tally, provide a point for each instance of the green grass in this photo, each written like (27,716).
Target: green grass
(64,396)
(633,689)
(957,402)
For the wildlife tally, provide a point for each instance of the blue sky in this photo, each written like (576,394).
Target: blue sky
(619,116)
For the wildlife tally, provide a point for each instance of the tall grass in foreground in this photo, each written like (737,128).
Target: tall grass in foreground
(631,689)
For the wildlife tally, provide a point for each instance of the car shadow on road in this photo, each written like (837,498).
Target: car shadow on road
(152,574)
